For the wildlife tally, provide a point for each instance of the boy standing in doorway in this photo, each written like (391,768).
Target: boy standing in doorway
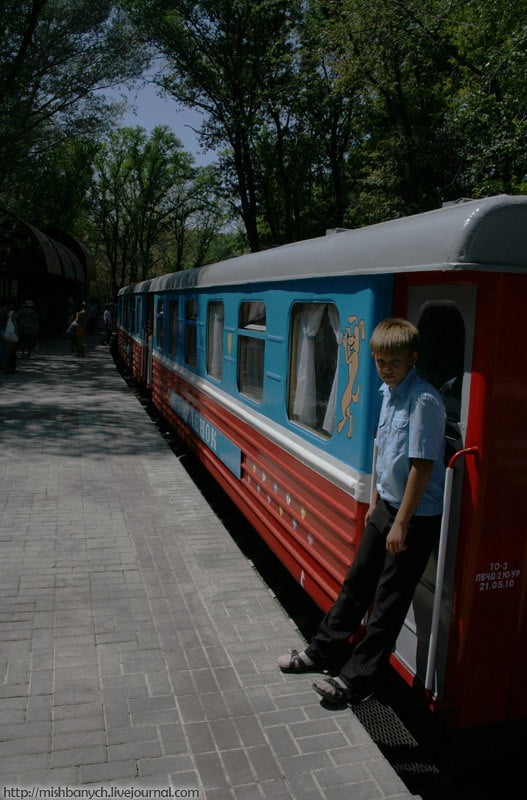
(402,525)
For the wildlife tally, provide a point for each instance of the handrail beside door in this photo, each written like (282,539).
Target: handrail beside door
(441,563)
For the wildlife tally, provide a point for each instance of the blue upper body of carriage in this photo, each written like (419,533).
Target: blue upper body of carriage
(360,302)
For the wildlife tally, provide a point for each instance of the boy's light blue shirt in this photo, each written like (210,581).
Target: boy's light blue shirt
(411,425)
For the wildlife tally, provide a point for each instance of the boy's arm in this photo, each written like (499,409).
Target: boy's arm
(418,477)
(373,502)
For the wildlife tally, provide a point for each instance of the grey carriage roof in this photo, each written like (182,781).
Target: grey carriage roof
(488,234)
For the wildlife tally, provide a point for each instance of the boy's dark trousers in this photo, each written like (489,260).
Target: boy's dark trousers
(375,576)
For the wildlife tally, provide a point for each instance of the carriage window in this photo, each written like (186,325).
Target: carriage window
(159,324)
(191,317)
(128,318)
(441,360)
(138,315)
(251,349)
(313,366)
(173,321)
(215,339)
(252,316)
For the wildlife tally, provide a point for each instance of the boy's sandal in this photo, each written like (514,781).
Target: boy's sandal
(333,692)
(294,663)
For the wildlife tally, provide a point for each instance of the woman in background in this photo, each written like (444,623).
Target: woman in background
(27,322)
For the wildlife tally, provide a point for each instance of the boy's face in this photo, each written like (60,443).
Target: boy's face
(393,366)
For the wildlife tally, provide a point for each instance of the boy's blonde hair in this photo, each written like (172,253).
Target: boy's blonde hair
(394,334)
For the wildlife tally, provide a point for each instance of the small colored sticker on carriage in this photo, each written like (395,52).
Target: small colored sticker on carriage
(351,338)
(276,496)
(220,445)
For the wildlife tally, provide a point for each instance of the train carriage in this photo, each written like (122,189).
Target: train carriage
(262,365)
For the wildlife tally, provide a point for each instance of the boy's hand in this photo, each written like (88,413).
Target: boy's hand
(369,512)
(372,507)
(418,477)
(396,539)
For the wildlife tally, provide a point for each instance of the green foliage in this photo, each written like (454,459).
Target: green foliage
(54,53)
(444,92)
(54,192)
(154,210)
(232,59)
(489,99)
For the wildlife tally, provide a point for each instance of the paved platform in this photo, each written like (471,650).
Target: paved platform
(138,645)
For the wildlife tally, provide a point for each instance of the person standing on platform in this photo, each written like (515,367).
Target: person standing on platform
(402,525)
(10,338)
(107,322)
(27,320)
(4,312)
(81,319)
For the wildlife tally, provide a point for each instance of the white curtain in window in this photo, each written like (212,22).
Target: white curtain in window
(329,418)
(304,406)
(216,339)
(256,315)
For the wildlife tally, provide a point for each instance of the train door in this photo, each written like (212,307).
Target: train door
(445,318)
(147,341)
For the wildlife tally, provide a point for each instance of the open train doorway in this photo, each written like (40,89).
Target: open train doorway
(445,318)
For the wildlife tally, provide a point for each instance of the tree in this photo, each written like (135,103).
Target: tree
(307,148)
(489,99)
(229,58)
(443,92)
(55,53)
(392,55)
(154,210)
(56,195)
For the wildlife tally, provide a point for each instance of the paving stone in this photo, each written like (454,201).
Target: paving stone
(105,773)
(23,762)
(249,730)
(25,730)
(140,749)
(225,734)
(63,776)
(159,717)
(264,763)
(38,708)
(363,790)
(282,741)
(11,716)
(165,765)
(138,705)
(77,710)
(85,738)
(78,756)
(276,789)
(21,745)
(129,734)
(211,771)
(250,791)
(68,727)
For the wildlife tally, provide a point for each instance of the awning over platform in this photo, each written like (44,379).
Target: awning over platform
(27,251)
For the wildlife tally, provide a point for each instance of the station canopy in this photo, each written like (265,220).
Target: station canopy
(27,253)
